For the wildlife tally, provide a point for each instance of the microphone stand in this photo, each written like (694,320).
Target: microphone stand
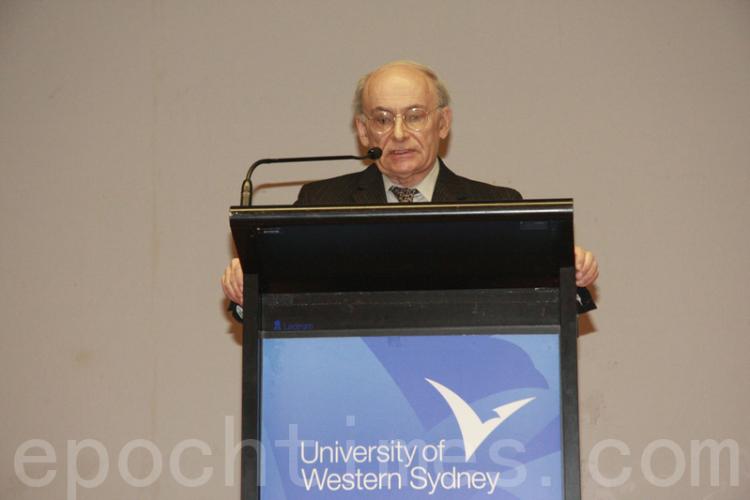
(247,185)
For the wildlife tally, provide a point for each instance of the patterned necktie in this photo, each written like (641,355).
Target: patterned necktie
(404,195)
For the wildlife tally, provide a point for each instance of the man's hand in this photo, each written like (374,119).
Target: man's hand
(232,281)
(587,269)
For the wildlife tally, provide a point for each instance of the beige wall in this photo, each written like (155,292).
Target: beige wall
(125,128)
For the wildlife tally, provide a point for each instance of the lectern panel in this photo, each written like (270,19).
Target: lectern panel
(343,249)
(412,416)
(409,351)
(313,312)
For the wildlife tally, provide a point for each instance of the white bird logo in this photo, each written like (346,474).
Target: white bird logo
(473,430)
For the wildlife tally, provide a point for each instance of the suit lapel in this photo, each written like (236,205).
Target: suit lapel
(448,187)
(370,189)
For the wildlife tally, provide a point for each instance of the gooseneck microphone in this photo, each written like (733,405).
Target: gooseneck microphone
(247,185)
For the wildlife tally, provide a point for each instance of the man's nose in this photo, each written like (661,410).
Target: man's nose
(399,133)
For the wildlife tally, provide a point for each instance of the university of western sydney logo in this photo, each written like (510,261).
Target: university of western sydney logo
(473,430)
(395,465)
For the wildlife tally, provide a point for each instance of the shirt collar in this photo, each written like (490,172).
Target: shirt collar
(426,187)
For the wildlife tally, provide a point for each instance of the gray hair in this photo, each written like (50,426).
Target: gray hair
(444,98)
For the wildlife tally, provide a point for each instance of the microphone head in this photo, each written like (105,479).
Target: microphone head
(374,153)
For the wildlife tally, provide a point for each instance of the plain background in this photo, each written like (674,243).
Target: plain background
(126,127)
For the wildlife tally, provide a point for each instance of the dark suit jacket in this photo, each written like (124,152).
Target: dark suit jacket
(367,188)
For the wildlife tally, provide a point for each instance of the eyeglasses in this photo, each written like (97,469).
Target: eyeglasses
(415,119)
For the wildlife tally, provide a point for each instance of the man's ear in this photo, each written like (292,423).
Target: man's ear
(446,118)
(362,132)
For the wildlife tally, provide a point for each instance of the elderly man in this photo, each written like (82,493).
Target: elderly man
(403,108)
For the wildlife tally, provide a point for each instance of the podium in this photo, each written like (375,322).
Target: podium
(409,351)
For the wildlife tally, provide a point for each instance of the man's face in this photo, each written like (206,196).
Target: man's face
(408,156)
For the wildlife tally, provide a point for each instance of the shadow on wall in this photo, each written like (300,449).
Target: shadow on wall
(586,324)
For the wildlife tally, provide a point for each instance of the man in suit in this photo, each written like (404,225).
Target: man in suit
(404,109)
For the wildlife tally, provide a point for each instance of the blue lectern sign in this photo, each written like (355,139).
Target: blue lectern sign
(413,416)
